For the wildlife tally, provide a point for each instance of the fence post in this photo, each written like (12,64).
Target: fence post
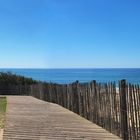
(95,102)
(123,110)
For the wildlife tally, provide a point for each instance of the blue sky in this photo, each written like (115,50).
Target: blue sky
(69,33)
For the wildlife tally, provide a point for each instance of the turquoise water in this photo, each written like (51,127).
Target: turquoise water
(83,75)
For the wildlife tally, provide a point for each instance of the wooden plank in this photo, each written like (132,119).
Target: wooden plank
(32,119)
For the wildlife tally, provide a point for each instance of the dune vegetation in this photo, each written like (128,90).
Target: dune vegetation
(3,104)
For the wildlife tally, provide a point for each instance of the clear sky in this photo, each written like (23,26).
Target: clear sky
(69,33)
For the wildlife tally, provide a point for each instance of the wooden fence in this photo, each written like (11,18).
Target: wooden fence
(117,109)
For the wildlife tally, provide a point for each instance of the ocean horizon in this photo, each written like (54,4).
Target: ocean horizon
(65,76)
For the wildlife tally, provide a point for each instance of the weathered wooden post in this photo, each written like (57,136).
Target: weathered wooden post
(76,97)
(68,97)
(123,109)
(95,102)
(79,99)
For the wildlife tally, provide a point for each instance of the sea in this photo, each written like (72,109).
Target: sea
(66,76)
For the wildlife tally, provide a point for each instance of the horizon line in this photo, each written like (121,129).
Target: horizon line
(75,68)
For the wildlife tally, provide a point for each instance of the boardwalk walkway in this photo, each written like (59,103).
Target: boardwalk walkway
(28,118)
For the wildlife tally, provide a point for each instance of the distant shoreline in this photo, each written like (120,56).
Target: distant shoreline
(66,76)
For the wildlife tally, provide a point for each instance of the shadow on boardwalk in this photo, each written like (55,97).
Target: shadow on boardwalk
(32,119)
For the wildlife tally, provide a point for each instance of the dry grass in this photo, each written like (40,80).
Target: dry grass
(3,104)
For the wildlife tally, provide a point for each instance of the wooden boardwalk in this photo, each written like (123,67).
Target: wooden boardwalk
(28,118)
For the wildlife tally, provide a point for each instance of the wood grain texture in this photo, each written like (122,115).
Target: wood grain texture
(28,118)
